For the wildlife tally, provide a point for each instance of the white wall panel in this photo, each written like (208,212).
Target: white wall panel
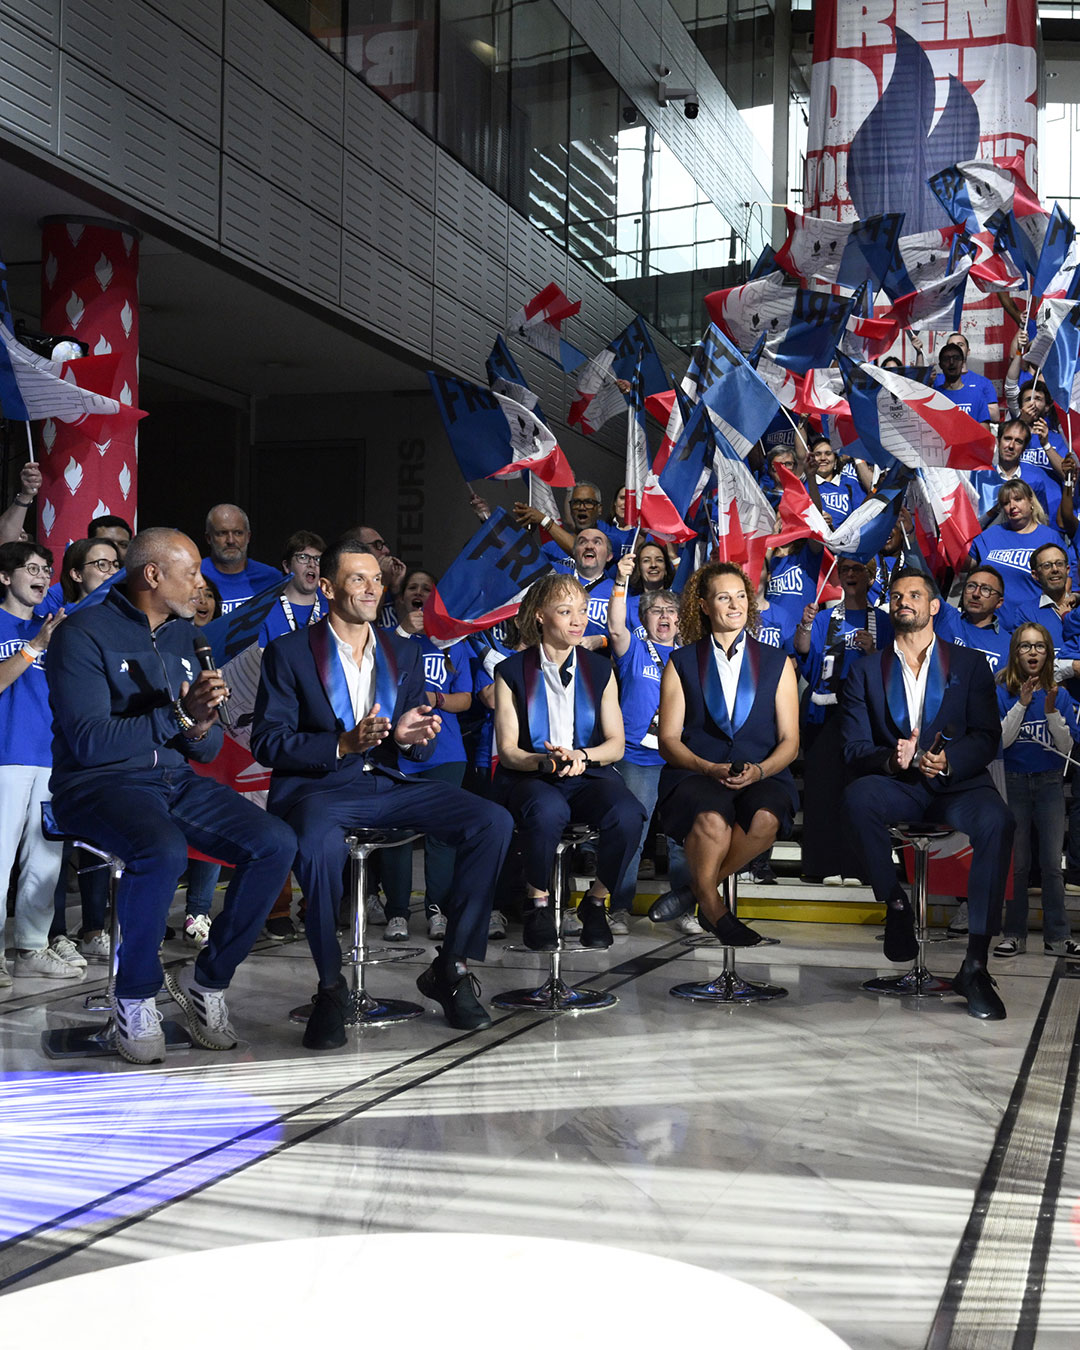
(379,212)
(29,83)
(386,295)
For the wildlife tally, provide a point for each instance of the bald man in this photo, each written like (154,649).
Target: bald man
(237,577)
(131,708)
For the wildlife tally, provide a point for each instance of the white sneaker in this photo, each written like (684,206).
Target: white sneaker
(207,1015)
(571,924)
(497,925)
(139,1036)
(958,924)
(66,950)
(833,881)
(397,930)
(688,926)
(618,921)
(1011,946)
(45,964)
(5,974)
(96,948)
(436,925)
(197,930)
(376,911)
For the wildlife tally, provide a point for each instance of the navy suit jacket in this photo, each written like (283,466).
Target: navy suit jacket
(966,710)
(295,730)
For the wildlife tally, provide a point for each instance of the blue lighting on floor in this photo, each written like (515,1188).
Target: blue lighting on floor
(69,1141)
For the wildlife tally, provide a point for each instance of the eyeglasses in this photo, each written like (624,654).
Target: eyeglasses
(35,569)
(663,613)
(313,558)
(102,565)
(379,545)
(1059,566)
(978,588)
(1031,646)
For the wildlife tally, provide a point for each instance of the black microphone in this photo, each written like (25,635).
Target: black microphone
(205,658)
(548,767)
(942,739)
(737,768)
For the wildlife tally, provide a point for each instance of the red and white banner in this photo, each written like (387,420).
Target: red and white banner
(89,290)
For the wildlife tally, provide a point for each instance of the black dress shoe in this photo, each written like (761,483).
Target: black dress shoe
(976,985)
(763,874)
(325,1028)
(457,994)
(594,925)
(539,932)
(729,930)
(900,942)
(672,905)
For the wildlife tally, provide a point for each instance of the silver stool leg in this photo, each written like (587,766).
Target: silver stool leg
(363,1010)
(554,995)
(729,986)
(96,1042)
(917,982)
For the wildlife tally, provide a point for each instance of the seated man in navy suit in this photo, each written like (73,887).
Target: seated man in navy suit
(920,726)
(336,706)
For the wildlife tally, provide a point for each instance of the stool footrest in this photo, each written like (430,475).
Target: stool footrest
(99,1042)
(916,983)
(555,996)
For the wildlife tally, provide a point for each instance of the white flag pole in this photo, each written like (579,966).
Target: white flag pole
(30,441)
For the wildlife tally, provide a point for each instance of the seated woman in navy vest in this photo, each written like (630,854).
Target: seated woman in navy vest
(559,731)
(729,728)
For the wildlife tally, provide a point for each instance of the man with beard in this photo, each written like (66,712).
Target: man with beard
(920,726)
(589,563)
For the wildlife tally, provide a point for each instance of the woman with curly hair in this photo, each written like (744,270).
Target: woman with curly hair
(559,732)
(729,728)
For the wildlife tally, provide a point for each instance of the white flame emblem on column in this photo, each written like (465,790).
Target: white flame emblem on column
(48,516)
(103,346)
(51,269)
(48,435)
(74,233)
(101,509)
(73,475)
(74,310)
(125,394)
(103,270)
(102,446)
(127,318)
(124,479)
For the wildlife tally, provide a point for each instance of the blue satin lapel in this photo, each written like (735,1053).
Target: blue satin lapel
(586,701)
(745,689)
(895,698)
(386,677)
(536,701)
(936,680)
(331,676)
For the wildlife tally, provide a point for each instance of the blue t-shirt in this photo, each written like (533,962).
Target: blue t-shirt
(276,624)
(1034,751)
(599,593)
(639,675)
(971,396)
(54,601)
(842,497)
(622,541)
(236,587)
(777,628)
(834,650)
(986,483)
(25,718)
(1035,454)
(793,580)
(1009,551)
(449,671)
(992,641)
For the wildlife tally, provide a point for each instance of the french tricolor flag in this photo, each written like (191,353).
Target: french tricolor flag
(538,325)
(493,436)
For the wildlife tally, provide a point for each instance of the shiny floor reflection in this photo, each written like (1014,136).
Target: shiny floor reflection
(826,1147)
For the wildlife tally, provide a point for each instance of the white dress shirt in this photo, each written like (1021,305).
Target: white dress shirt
(360,679)
(915,685)
(728,667)
(560,699)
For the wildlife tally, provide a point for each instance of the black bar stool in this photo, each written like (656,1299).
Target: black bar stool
(95,1042)
(364,1010)
(554,995)
(917,982)
(729,986)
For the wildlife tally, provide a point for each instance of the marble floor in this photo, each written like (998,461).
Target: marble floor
(905,1174)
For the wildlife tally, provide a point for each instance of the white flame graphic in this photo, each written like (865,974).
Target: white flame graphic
(103,346)
(51,269)
(102,446)
(127,318)
(124,479)
(101,509)
(48,516)
(129,241)
(74,310)
(74,233)
(103,270)
(125,394)
(73,475)
(48,435)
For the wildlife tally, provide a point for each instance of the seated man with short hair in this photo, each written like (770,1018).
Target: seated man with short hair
(337,702)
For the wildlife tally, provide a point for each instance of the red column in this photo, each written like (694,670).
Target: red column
(89,290)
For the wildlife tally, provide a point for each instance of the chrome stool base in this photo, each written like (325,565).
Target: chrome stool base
(916,983)
(729,987)
(555,996)
(378,956)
